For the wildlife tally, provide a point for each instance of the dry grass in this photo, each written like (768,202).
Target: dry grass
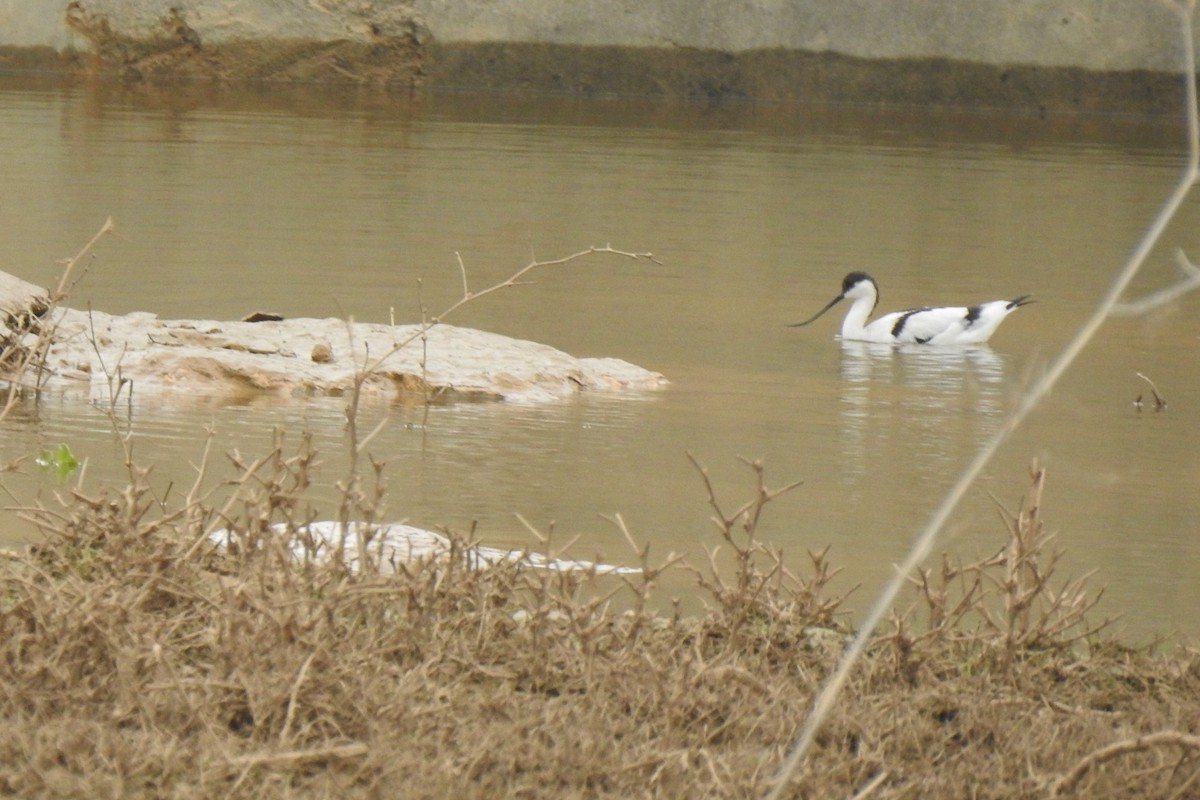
(137,661)
(28,326)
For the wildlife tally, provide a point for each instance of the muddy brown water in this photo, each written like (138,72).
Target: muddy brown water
(312,203)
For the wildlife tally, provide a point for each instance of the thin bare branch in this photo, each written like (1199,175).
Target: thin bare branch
(1160,402)
(923,544)
(1068,782)
(65,281)
(290,757)
(515,279)
(462,268)
(1188,283)
(293,696)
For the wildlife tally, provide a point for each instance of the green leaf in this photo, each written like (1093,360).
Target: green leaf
(60,461)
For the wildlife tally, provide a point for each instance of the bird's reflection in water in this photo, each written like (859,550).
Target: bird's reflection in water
(912,408)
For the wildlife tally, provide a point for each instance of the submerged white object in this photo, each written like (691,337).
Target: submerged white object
(937,325)
(393,544)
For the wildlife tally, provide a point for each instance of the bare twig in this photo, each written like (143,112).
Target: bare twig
(462,268)
(923,544)
(1068,782)
(1190,282)
(761,581)
(293,696)
(869,789)
(1160,402)
(289,757)
(38,320)
(65,282)
(512,280)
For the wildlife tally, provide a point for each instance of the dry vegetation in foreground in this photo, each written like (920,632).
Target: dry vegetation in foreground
(139,661)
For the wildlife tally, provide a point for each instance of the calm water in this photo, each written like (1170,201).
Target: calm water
(315,204)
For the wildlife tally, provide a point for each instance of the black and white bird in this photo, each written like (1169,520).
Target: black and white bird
(937,325)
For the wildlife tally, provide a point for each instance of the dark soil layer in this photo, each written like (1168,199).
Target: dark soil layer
(407,62)
(796,75)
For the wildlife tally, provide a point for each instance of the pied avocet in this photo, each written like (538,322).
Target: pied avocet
(928,325)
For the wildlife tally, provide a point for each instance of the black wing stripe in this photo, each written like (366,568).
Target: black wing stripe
(903,320)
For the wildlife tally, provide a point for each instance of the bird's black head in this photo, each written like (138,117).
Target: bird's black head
(853,278)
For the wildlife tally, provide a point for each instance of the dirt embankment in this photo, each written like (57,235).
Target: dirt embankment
(392,49)
(391,58)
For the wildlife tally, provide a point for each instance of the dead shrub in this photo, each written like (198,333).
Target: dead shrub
(137,658)
(1005,606)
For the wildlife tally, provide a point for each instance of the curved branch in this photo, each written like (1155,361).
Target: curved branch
(509,282)
(1189,282)
(923,544)
(1094,759)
